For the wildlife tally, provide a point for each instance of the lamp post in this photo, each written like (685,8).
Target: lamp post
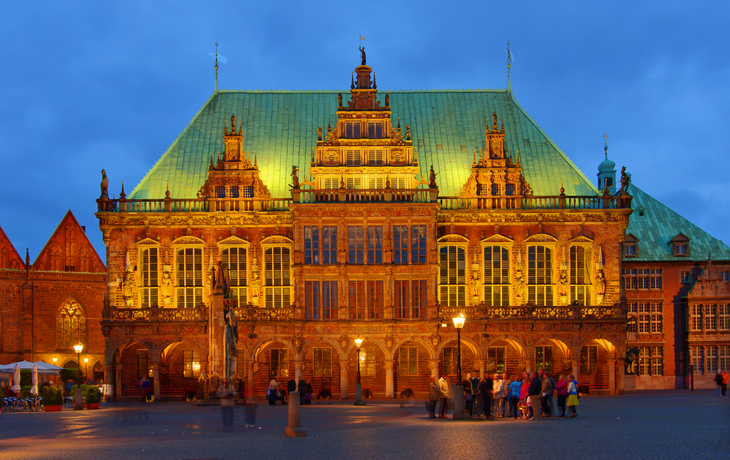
(459,392)
(358,386)
(79,404)
(86,368)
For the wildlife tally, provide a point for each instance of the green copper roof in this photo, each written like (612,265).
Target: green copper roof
(281,127)
(659,225)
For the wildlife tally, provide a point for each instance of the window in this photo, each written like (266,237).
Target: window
(451,360)
(375,245)
(353,158)
(234,191)
(648,315)
(710,320)
(148,278)
(725,276)
(723,318)
(539,276)
(655,309)
(711,360)
(698,360)
(353,183)
(366,300)
(644,360)
(685,277)
(330,183)
(651,361)
(495,190)
(588,359)
(510,190)
(375,158)
(311,245)
(235,260)
(355,245)
(630,279)
(680,248)
(70,325)
(645,278)
(375,183)
(191,363)
(352,130)
(375,130)
(322,361)
(329,245)
(410,299)
(279,363)
(544,358)
(496,276)
(418,244)
(143,364)
(320,300)
(723,357)
(496,361)
(400,244)
(277,266)
(367,361)
(189,277)
(695,320)
(580,278)
(220,191)
(409,361)
(630,249)
(452,276)
(247,191)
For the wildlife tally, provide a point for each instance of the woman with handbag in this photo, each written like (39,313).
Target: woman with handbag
(572,395)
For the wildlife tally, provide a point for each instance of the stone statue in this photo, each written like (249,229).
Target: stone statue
(362,52)
(631,355)
(230,344)
(408,133)
(295,177)
(104,184)
(319,133)
(624,181)
(600,283)
(339,99)
(127,286)
(432,178)
(494,120)
(255,286)
(387,99)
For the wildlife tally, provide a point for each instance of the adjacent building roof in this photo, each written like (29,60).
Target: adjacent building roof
(281,127)
(655,226)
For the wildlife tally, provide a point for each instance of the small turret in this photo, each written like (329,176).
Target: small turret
(607,171)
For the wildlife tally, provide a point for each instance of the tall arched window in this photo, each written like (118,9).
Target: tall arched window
(70,325)
(452,276)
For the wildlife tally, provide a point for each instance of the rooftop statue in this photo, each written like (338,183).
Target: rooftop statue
(362,52)
(104,184)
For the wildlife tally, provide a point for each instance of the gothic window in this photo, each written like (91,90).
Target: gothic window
(320,300)
(70,325)
(366,300)
(540,275)
(451,360)
(279,363)
(496,361)
(544,358)
(367,361)
(588,359)
(191,363)
(580,275)
(409,299)
(496,276)
(322,362)
(452,276)
(408,361)
(235,260)
(189,277)
(149,278)
(311,245)
(277,277)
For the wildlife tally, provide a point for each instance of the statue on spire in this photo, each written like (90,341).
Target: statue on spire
(362,53)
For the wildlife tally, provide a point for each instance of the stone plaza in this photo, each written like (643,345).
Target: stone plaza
(638,425)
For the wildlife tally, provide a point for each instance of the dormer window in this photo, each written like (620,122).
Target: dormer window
(352,130)
(375,130)
(375,157)
(631,248)
(353,158)
(680,246)
(220,191)
(641,211)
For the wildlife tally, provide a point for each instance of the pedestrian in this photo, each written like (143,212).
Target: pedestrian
(546,393)
(273,386)
(433,396)
(477,400)
(725,380)
(513,393)
(302,389)
(524,404)
(227,395)
(468,394)
(718,382)
(572,395)
(251,413)
(551,401)
(308,397)
(443,395)
(486,386)
(497,396)
(562,389)
(534,393)
(505,403)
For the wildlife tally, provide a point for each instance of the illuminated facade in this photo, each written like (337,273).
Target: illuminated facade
(318,220)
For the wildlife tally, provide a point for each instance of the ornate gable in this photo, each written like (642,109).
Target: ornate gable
(541,238)
(187,240)
(9,257)
(709,286)
(498,239)
(581,239)
(233,241)
(453,238)
(69,250)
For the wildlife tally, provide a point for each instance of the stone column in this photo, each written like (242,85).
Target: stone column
(482,368)
(528,366)
(118,382)
(108,379)
(298,370)
(433,366)
(249,370)
(611,376)
(621,386)
(576,368)
(389,390)
(344,366)
(156,377)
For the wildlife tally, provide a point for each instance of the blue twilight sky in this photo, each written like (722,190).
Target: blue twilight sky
(92,85)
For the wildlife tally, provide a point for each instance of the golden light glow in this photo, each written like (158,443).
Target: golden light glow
(86,360)
(78,348)
(358,342)
(459,321)
(55,359)
(196,366)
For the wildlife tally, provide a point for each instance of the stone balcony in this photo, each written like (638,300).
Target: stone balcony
(558,313)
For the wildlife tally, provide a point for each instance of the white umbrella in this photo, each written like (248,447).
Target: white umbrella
(16,380)
(34,381)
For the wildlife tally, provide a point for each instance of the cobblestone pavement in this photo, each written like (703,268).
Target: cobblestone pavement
(642,425)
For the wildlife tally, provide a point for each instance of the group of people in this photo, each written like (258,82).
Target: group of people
(281,395)
(722,379)
(527,396)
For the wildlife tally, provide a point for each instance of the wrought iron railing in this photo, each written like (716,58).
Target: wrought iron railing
(572,313)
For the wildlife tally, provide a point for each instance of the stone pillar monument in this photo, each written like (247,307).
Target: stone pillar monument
(344,380)
(389,387)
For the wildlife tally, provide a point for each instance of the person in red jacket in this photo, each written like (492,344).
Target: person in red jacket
(562,388)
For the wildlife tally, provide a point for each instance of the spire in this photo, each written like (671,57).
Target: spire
(375,83)
(167,192)
(216,66)
(211,160)
(352,80)
(509,68)
(122,195)
(255,160)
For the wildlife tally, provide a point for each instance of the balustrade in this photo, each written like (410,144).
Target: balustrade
(133,315)
(195,205)
(572,313)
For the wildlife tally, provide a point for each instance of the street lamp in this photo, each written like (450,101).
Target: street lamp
(458,324)
(79,404)
(86,367)
(358,386)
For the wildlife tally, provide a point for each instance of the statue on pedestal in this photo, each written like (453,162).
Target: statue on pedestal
(230,344)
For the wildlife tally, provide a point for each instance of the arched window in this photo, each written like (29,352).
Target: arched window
(70,325)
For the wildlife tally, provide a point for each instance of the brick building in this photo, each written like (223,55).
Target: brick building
(54,303)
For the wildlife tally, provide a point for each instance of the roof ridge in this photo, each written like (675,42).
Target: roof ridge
(335,91)
(159,160)
(555,146)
